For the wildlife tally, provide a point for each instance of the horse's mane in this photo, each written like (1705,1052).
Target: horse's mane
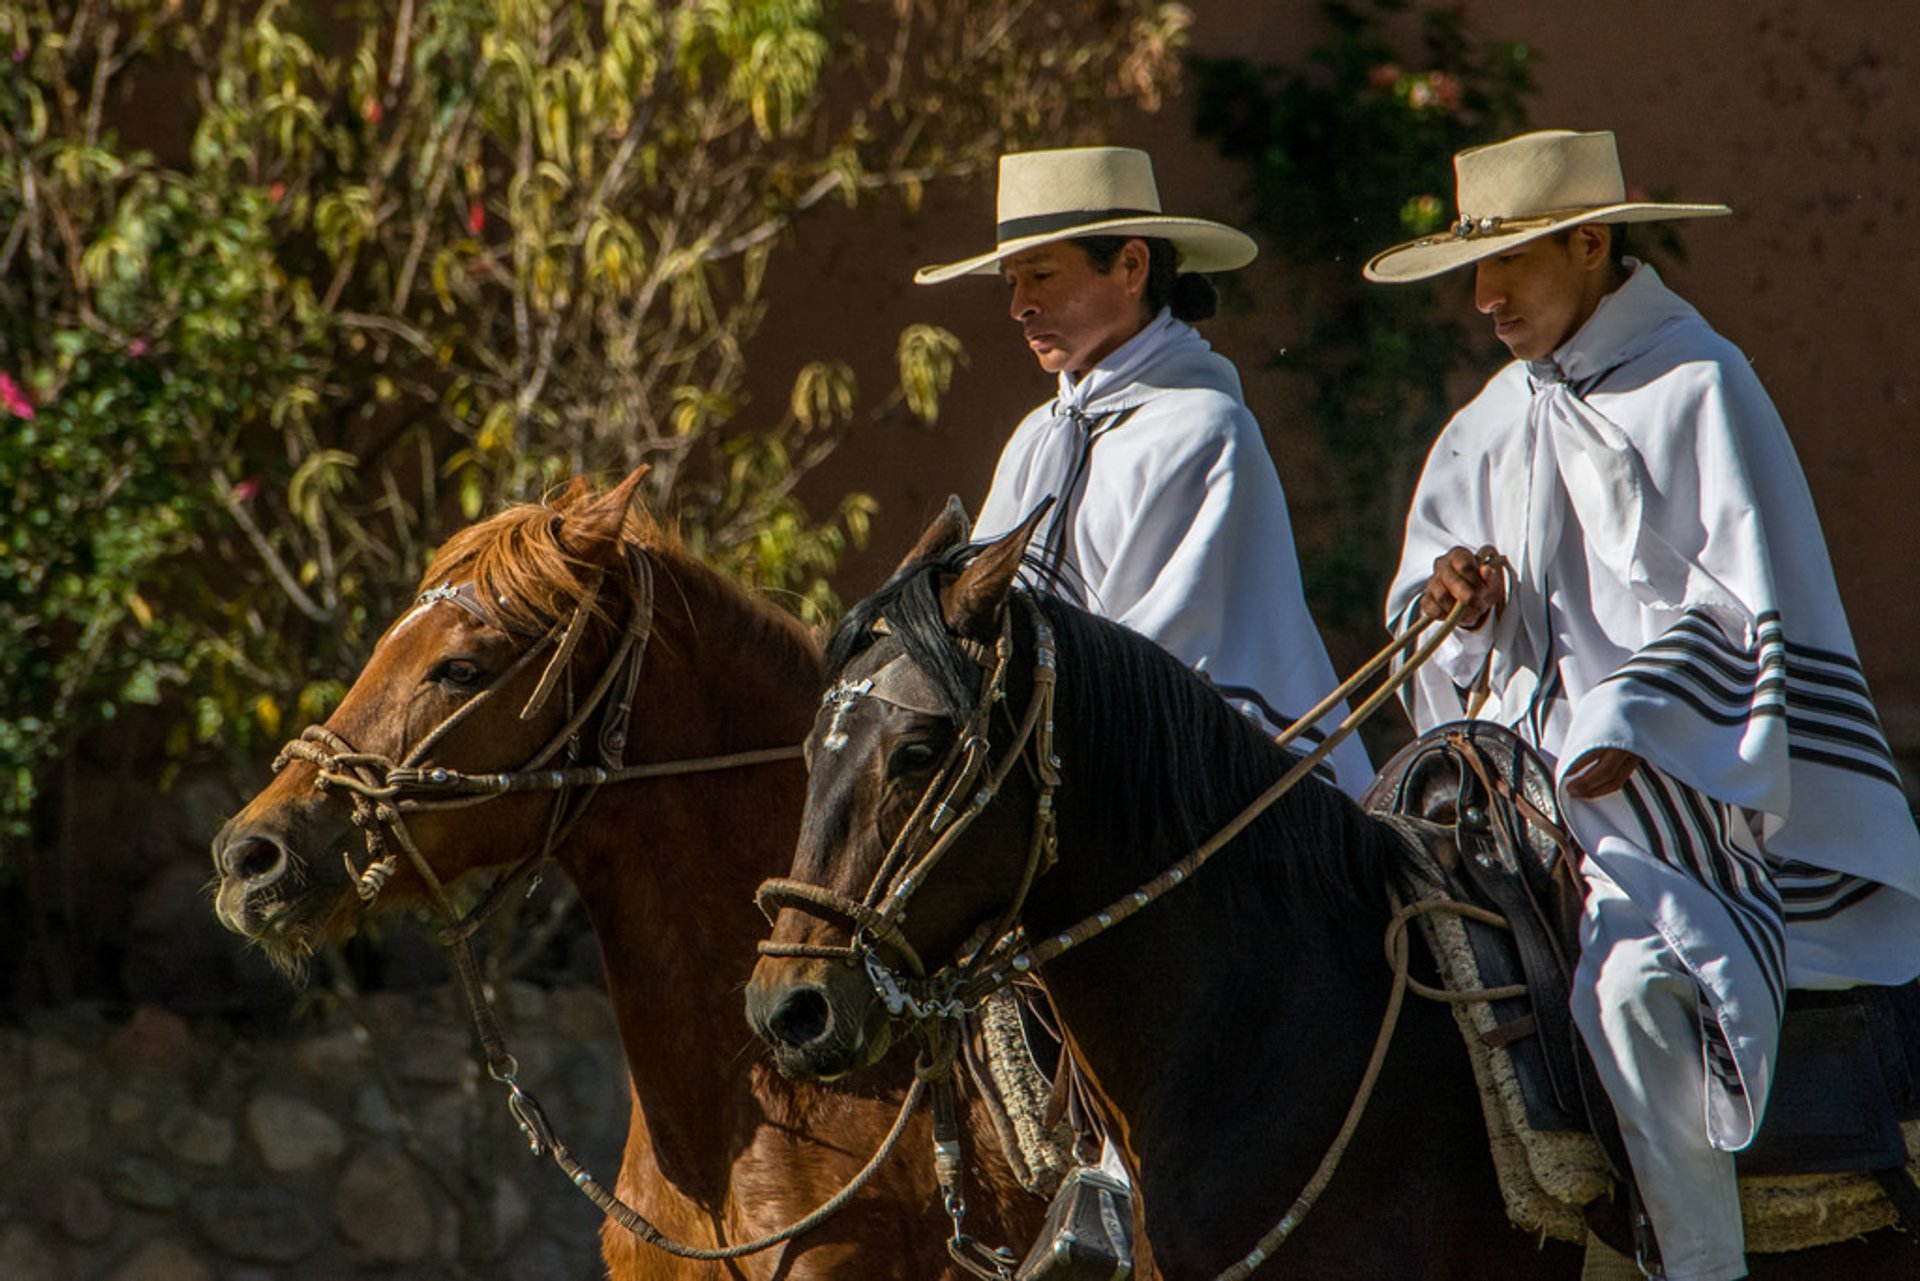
(519,564)
(1160,759)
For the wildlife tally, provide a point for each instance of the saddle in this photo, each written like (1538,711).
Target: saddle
(1477,806)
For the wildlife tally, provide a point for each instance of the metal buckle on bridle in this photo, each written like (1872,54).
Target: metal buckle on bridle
(892,990)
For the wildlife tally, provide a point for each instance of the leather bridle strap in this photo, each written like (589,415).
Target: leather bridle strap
(876,917)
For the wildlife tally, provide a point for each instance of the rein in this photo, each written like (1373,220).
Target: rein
(383,793)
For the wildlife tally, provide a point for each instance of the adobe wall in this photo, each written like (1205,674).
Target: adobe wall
(1803,118)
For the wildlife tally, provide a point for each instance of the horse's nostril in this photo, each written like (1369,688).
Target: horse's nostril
(255,858)
(801,1018)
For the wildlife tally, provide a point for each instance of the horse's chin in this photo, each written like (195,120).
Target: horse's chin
(286,931)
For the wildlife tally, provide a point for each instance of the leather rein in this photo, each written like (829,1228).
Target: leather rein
(384,792)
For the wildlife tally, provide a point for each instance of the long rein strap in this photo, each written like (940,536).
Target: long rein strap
(1398,953)
(532,1119)
(1001,973)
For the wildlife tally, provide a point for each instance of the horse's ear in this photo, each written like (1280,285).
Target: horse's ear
(972,602)
(949,530)
(576,489)
(592,530)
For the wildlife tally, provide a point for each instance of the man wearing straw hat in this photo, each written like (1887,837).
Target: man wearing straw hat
(1671,637)
(1168,514)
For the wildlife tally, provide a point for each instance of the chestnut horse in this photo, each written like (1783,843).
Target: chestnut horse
(720,1148)
(1223,1030)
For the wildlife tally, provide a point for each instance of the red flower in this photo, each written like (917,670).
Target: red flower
(476,217)
(277,192)
(1383,76)
(372,111)
(246,489)
(13,398)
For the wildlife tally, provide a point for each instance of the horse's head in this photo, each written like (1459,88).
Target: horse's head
(489,673)
(923,689)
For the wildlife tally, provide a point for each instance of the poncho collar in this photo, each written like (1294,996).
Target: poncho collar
(1117,381)
(1627,323)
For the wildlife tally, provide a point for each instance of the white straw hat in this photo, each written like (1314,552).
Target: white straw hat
(1092,191)
(1511,192)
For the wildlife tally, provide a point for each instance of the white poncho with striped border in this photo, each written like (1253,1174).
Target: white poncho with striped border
(1675,599)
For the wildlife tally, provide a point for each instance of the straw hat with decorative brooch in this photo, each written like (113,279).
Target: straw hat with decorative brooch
(1512,192)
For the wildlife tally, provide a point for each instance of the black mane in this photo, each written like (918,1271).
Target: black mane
(1155,760)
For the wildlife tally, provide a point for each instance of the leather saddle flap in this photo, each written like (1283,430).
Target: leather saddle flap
(1849,1061)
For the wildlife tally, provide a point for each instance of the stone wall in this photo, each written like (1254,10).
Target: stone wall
(345,1143)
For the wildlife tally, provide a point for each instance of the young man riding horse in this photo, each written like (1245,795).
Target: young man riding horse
(1671,635)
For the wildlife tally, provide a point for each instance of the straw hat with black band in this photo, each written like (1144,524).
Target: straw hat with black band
(1509,193)
(1092,191)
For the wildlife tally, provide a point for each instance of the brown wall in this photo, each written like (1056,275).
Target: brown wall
(1803,117)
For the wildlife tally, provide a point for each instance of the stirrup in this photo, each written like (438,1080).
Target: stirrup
(1088,1233)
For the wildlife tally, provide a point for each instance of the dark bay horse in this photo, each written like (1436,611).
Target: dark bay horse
(720,1148)
(1224,1029)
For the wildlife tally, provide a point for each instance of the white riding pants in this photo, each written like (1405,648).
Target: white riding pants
(1639,1010)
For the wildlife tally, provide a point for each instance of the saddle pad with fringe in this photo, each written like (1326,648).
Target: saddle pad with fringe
(1546,1176)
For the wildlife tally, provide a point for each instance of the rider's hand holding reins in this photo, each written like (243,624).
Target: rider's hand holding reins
(1462,574)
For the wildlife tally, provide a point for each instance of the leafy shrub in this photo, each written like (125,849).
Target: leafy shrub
(416,260)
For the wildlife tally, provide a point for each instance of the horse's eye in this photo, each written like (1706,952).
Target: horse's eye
(460,673)
(912,758)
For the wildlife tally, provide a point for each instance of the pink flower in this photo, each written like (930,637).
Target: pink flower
(13,398)
(246,489)
(137,348)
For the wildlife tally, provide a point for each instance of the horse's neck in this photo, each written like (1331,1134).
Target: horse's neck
(1192,999)
(672,907)
(667,874)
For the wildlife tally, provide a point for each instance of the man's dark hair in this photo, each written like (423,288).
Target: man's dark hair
(1616,242)
(1190,295)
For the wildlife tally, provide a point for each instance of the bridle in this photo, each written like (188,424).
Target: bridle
(958,792)
(384,792)
(947,807)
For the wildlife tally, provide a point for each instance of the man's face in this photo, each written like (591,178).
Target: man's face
(1073,315)
(1540,293)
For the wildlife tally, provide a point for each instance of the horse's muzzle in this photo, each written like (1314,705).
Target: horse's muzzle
(820,1019)
(249,867)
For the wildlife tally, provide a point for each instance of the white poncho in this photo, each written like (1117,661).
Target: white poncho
(1176,525)
(1674,598)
